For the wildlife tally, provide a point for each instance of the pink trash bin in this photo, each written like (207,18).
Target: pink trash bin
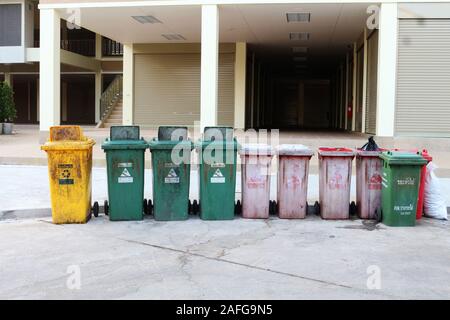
(256,160)
(293,169)
(335,174)
(368,183)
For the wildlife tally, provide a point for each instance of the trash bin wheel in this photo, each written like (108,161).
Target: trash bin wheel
(195,207)
(145,206)
(189,207)
(316,208)
(238,208)
(150,207)
(307,208)
(352,209)
(106,207)
(378,214)
(272,207)
(95,209)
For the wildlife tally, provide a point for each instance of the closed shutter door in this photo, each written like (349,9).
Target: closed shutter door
(372,73)
(167,89)
(423,78)
(225,112)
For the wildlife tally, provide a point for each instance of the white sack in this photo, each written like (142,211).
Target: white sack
(434,202)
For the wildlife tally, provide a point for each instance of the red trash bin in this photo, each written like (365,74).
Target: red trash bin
(423,174)
(368,182)
(335,174)
(293,168)
(256,159)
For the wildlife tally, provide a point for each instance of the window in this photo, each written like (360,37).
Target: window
(10,25)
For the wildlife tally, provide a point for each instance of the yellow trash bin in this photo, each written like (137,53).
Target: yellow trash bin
(69,168)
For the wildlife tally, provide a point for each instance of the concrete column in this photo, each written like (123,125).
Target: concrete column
(355,76)
(98,46)
(239,84)
(209,66)
(364,97)
(347,77)
(49,70)
(98,95)
(128,84)
(98,77)
(8,79)
(387,66)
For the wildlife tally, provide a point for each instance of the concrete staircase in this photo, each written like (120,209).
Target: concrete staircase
(115,117)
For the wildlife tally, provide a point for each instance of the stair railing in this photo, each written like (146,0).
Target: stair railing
(110,96)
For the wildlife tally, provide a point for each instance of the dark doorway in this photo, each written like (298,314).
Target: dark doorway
(25,97)
(78,98)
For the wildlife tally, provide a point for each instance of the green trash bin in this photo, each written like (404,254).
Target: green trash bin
(171,153)
(217,155)
(400,187)
(125,153)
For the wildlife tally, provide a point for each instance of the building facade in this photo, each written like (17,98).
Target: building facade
(381,68)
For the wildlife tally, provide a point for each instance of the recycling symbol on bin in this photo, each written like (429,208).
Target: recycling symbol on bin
(65,174)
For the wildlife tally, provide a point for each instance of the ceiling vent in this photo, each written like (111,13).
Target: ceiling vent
(298,17)
(146,19)
(299,36)
(299,49)
(299,59)
(173,36)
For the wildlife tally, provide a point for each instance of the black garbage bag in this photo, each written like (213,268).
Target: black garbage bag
(371,145)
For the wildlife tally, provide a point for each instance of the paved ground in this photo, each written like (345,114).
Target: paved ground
(240,259)
(194,259)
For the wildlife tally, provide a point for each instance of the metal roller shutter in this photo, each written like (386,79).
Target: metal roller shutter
(423,78)
(167,89)
(372,73)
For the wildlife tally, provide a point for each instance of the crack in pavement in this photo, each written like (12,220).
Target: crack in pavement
(239,264)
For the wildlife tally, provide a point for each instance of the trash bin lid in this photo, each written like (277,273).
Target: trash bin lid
(172,133)
(109,144)
(227,145)
(67,138)
(294,150)
(402,158)
(365,153)
(66,133)
(256,149)
(218,133)
(426,155)
(335,152)
(124,133)
(156,144)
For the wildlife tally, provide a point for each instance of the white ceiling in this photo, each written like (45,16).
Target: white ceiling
(332,27)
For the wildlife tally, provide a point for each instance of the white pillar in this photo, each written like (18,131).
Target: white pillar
(98,95)
(355,76)
(98,77)
(239,85)
(209,66)
(364,95)
(49,70)
(347,77)
(98,46)
(128,84)
(8,79)
(387,67)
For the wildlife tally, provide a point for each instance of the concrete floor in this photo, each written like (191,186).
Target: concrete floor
(240,259)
